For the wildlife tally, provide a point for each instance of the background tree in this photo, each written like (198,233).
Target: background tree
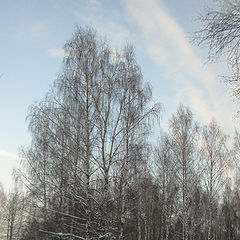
(12,215)
(215,159)
(220,35)
(183,141)
(3,198)
(167,184)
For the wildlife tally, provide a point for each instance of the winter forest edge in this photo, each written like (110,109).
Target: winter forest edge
(93,171)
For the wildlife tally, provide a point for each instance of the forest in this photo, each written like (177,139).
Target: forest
(100,167)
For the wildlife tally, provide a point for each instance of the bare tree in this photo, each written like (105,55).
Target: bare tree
(166,172)
(12,215)
(135,98)
(220,34)
(3,222)
(215,158)
(81,132)
(183,141)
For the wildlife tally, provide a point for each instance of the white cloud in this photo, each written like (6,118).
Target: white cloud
(196,85)
(56,52)
(6,154)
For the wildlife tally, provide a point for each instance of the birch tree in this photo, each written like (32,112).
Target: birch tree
(136,96)
(219,33)
(166,172)
(82,130)
(2,212)
(215,156)
(182,140)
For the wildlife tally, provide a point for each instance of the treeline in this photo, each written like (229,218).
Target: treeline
(93,172)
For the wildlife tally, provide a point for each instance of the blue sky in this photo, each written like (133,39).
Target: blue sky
(33,33)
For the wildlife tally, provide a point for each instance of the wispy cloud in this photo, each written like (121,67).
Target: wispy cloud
(196,85)
(94,4)
(7,154)
(105,20)
(56,52)
(38,28)
(32,28)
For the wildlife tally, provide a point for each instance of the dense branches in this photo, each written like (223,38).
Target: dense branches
(220,34)
(82,133)
(91,172)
